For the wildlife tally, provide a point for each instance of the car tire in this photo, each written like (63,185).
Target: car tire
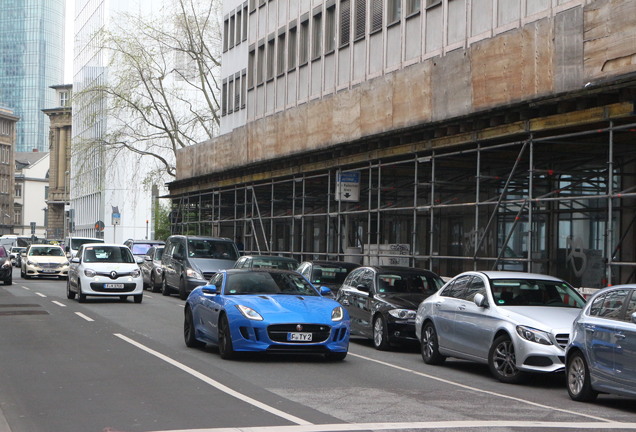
(22,273)
(138,298)
(430,346)
(69,294)
(226,350)
(578,380)
(9,281)
(183,294)
(81,297)
(380,334)
(502,361)
(336,356)
(153,284)
(123,298)
(165,289)
(189,331)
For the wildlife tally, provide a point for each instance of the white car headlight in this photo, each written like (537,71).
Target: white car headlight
(193,274)
(337,314)
(402,313)
(89,272)
(135,273)
(534,335)
(29,262)
(249,313)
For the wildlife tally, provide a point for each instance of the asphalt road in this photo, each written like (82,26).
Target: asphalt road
(110,366)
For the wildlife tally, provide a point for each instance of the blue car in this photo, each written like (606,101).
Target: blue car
(265,310)
(601,354)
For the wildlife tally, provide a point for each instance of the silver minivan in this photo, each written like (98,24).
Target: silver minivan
(190,261)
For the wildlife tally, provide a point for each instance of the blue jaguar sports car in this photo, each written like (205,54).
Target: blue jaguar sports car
(268,311)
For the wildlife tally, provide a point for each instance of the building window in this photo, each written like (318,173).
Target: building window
(412,7)
(232,30)
(433,3)
(345,22)
(250,67)
(291,48)
(280,55)
(361,19)
(303,49)
(394,11)
(64,98)
(271,50)
(224,98)
(260,63)
(17,216)
(18,190)
(376,15)
(226,35)
(245,22)
(239,21)
(243,89)
(330,29)
(237,91)
(316,46)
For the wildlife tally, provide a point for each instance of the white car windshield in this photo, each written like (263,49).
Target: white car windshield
(527,292)
(46,251)
(108,254)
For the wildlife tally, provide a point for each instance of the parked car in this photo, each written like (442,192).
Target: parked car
(6,269)
(266,261)
(190,261)
(16,255)
(140,247)
(151,269)
(601,355)
(514,322)
(44,260)
(326,273)
(104,270)
(72,244)
(382,301)
(274,311)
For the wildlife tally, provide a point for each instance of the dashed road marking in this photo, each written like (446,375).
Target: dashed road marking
(81,315)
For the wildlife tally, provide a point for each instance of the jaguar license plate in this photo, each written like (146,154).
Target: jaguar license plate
(299,337)
(113,286)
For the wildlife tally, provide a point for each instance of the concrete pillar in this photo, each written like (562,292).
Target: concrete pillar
(61,157)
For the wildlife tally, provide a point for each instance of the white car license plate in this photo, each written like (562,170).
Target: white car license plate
(299,337)
(48,271)
(112,285)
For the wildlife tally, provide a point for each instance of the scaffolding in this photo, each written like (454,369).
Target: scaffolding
(561,202)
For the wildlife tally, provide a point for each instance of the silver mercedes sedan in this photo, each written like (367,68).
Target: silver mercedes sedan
(514,322)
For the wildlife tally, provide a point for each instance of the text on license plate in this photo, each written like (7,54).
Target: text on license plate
(48,271)
(299,337)
(112,285)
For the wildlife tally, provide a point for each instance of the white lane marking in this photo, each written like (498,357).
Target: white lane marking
(81,315)
(26,288)
(434,425)
(147,296)
(40,294)
(58,303)
(475,389)
(216,384)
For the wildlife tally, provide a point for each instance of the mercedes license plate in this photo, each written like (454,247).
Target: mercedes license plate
(113,286)
(48,271)
(299,337)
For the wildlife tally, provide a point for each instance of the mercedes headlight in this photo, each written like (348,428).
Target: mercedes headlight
(534,335)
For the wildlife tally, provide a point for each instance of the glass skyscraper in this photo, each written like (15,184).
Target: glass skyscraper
(31,60)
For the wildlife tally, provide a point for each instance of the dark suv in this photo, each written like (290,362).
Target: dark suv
(190,261)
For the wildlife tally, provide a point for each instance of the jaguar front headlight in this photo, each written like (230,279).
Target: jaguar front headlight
(534,335)
(249,313)
(337,314)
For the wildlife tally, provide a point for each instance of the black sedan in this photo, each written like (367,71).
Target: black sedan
(382,302)
(326,273)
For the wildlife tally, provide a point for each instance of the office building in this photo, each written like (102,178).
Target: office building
(448,134)
(31,60)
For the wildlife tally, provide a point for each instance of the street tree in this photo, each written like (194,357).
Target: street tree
(162,87)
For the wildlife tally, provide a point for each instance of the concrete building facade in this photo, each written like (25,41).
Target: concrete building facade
(31,192)
(444,134)
(60,154)
(8,128)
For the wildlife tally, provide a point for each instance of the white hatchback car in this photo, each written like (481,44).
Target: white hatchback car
(101,269)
